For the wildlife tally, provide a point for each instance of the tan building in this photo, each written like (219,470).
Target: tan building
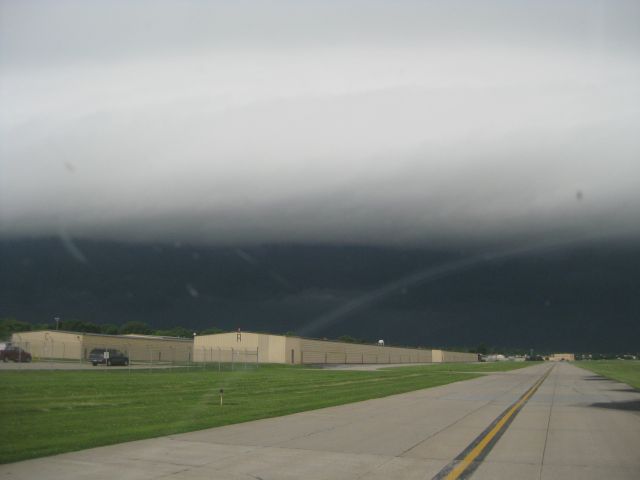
(562,357)
(266,348)
(445,356)
(55,344)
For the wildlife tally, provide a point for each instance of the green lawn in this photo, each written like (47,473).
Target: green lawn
(48,412)
(626,371)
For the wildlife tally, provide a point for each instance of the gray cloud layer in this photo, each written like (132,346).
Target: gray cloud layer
(370,122)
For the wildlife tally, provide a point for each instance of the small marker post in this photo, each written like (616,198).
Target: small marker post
(221,395)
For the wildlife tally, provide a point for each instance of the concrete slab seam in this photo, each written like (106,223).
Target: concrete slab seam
(459,420)
(467,461)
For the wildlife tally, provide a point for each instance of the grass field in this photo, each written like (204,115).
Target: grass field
(48,412)
(626,371)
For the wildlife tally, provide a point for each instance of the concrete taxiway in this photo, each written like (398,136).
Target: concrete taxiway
(573,425)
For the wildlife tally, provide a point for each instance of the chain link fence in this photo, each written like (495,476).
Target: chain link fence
(229,358)
(311,357)
(125,353)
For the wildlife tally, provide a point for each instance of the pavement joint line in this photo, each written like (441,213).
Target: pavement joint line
(471,412)
(377,467)
(488,402)
(546,438)
(467,461)
(171,474)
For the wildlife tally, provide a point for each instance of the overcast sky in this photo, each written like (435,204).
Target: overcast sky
(395,122)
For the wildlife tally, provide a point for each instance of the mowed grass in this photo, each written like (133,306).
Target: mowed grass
(48,412)
(625,371)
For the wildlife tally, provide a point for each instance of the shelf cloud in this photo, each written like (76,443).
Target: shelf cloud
(322,122)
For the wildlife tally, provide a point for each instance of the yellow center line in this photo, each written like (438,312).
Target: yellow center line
(477,450)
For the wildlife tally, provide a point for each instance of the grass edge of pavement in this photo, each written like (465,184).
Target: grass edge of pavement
(624,371)
(342,397)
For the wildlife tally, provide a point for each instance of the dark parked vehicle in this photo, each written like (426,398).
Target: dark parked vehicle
(15,354)
(114,357)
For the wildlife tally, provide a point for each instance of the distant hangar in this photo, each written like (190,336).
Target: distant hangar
(269,348)
(58,344)
(246,347)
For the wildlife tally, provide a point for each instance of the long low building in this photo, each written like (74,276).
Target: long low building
(562,357)
(267,348)
(57,344)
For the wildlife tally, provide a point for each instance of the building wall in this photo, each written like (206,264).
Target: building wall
(143,348)
(77,346)
(50,344)
(293,350)
(228,347)
(453,357)
(319,351)
(567,357)
(281,349)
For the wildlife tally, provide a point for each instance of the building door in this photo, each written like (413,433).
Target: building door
(293,356)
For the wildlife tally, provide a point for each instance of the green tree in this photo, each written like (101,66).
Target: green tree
(347,339)
(109,329)
(11,325)
(210,331)
(350,339)
(175,332)
(79,326)
(43,326)
(135,327)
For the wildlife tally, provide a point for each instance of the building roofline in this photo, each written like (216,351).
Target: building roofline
(323,340)
(125,337)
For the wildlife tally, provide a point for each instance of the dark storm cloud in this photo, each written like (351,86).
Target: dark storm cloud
(353,122)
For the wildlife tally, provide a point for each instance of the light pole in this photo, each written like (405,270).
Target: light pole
(193,347)
(49,339)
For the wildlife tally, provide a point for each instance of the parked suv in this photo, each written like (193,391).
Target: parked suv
(114,357)
(14,353)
